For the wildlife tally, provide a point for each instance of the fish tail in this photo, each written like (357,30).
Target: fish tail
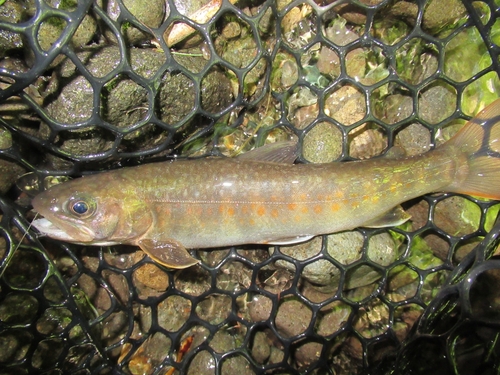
(479,142)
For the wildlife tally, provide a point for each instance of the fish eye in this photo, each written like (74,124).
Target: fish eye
(80,208)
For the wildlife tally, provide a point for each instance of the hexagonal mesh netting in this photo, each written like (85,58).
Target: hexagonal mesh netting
(93,85)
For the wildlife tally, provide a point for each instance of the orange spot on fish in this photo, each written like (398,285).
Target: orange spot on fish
(244,209)
(230,211)
(221,208)
(335,207)
(261,211)
(291,206)
(305,210)
(317,209)
(274,212)
(375,198)
(339,194)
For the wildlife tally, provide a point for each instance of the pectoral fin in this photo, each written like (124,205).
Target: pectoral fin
(170,253)
(395,216)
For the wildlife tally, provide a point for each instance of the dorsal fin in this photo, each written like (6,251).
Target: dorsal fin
(280,152)
(395,152)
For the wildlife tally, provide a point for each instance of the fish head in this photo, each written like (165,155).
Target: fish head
(90,211)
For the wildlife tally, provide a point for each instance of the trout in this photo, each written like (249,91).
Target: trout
(263,198)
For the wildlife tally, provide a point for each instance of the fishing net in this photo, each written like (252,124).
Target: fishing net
(88,86)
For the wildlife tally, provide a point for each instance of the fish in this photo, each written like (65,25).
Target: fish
(263,197)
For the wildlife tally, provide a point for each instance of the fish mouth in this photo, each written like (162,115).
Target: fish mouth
(60,232)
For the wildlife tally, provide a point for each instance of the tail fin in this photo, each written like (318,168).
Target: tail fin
(479,139)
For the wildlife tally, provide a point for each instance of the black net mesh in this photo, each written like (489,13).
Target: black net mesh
(94,85)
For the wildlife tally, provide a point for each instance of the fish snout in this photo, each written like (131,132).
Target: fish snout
(43,203)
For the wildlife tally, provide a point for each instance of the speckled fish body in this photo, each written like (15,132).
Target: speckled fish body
(215,202)
(222,202)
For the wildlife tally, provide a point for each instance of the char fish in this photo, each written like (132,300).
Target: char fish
(262,197)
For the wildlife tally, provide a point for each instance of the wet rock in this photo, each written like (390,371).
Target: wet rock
(293,318)
(9,171)
(214,308)
(414,139)
(288,72)
(395,108)
(346,248)
(223,342)
(203,364)
(323,143)
(367,141)
(149,355)
(328,62)
(26,269)
(231,30)
(353,13)
(338,32)
(261,349)
(437,102)
(302,107)
(440,14)
(149,13)
(260,308)
(53,321)
(52,28)
(15,345)
(333,317)
(151,276)
(307,353)
(194,281)
(124,102)
(180,33)
(346,105)
(403,10)
(18,308)
(237,364)
(456,216)
(5,138)
(13,12)
(174,312)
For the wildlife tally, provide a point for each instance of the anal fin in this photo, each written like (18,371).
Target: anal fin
(395,216)
(290,241)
